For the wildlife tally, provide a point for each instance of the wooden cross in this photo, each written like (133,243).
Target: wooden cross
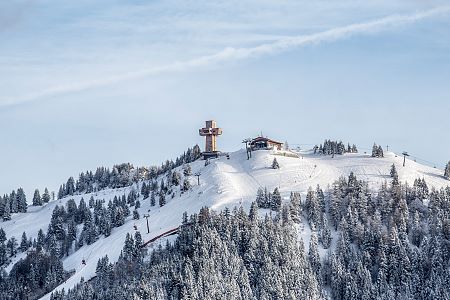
(210,131)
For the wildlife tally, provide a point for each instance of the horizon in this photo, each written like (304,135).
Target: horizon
(86,84)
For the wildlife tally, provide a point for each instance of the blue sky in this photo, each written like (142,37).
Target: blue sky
(86,84)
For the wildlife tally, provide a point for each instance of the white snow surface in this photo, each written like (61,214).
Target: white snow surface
(223,183)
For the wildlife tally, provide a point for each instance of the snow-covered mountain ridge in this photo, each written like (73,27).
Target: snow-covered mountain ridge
(223,183)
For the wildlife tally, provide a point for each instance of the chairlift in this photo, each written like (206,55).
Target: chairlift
(83,261)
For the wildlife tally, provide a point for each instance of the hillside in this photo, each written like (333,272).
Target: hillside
(223,183)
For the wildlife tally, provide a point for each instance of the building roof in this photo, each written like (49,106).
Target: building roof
(265,139)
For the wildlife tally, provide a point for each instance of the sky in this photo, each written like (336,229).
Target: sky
(85,84)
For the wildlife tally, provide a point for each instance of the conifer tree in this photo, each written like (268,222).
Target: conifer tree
(295,209)
(394,175)
(40,240)
(46,196)
(70,186)
(11,245)
(377,151)
(276,200)
(393,171)
(314,257)
(187,170)
(153,198)
(260,199)
(253,214)
(275,164)
(37,200)
(186,185)
(162,199)
(3,254)
(145,191)
(176,178)
(21,200)
(23,242)
(7,211)
(2,235)
(447,171)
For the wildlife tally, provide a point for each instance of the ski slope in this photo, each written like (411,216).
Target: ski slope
(223,183)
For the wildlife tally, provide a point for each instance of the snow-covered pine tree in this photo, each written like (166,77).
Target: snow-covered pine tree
(135,215)
(128,248)
(162,199)
(325,236)
(145,191)
(70,186)
(275,164)
(2,235)
(37,200)
(153,198)
(3,253)
(275,203)
(40,242)
(14,204)
(11,245)
(314,257)
(23,242)
(21,200)
(377,151)
(176,178)
(253,214)
(393,171)
(46,196)
(380,152)
(260,199)
(294,207)
(447,171)
(187,170)
(186,185)
(7,211)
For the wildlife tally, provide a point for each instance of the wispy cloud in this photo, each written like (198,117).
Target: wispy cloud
(235,54)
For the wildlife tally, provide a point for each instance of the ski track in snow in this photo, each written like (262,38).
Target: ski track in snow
(223,183)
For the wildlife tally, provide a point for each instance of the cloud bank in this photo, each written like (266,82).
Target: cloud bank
(236,54)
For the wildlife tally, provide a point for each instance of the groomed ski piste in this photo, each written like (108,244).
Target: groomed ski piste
(223,183)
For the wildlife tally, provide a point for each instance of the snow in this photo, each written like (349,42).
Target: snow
(223,183)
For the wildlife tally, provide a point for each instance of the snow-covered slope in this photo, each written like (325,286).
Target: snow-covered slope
(223,183)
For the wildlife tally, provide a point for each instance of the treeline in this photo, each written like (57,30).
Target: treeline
(32,277)
(72,226)
(390,244)
(330,147)
(16,202)
(122,175)
(227,255)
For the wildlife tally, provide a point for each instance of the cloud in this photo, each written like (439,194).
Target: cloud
(235,54)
